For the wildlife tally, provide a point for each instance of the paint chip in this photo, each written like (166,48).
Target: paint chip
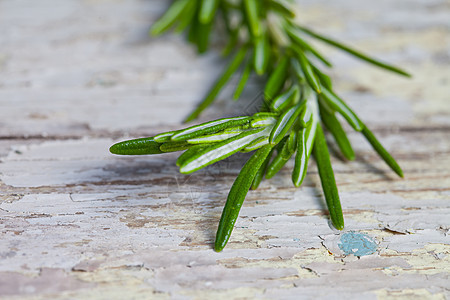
(358,244)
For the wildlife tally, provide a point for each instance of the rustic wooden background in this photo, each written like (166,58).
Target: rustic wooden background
(77,222)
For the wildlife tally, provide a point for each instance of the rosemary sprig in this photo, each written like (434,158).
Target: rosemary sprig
(298,95)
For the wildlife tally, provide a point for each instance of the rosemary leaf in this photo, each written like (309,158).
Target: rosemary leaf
(276,79)
(141,146)
(243,81)
(164,137)
(174,146)
(311,77)
(190,152)
(382,152)
(339,105)
(292,141)
(284,123)
(327,179)
(207,10)
(208,127)
(214,138)
(186,16)
(170,17)
(334,126)
(353,52)
(283,155)
(295,37)
(193,32)
(287,98)
(305,144)
(203,34)
(282,7)
(265,114)
(306,116)
(231,69)
(262,121)
(252,13)
(298,72)
(232,42)
(237,196)
(224,9)
(220,150)
(262,171)
(325,80)
(261,54)
(256,144)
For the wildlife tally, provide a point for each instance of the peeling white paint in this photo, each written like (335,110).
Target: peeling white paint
(78,222)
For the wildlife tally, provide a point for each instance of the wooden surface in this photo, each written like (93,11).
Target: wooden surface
(77,222)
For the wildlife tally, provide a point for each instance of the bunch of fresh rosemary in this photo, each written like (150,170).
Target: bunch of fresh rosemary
(299,101)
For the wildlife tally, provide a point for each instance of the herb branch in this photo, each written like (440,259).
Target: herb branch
(298,94)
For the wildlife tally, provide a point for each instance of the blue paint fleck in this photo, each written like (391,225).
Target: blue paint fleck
(358,244)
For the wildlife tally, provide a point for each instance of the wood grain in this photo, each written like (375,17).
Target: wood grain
(78,222)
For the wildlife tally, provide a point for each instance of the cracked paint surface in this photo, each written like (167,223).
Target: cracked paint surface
(358,244)
(79,223)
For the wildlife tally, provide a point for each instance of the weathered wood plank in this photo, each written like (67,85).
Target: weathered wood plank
(77,222)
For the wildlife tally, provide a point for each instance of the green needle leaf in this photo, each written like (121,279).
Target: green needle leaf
(174,146)
(190,152)
(276,79)
(232,42)
(208,10)
(339,105)
(225,9)
(325,80)
(292,141)
(306,46)
(193,31)
(141,146)
(187,16)
(262,171)
(237,196)
(263,121)
(282,157)
(214,138)
(306,116)
(334,126)
(208,127)
(354,52)
(221,150)
(169,18)
(302,156)
(282,7)
(251,9)
(203,33)
(285,122)
(305,143)
(243,81)
(311,77)
(287,98)
(298,72)
(256,144)
(326,174)
(382,152)
(261,54)
(231,69)
(265,114)
(275,166)
(164,137)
